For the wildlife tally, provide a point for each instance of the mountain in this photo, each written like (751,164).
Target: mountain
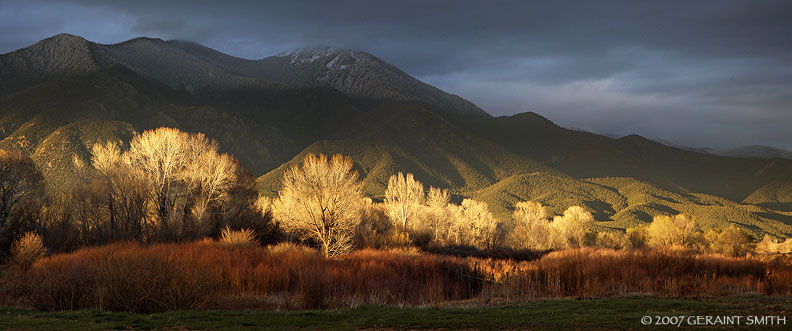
(63,94)
(752,151)
(197,69)
(707,150)
(396,137)
(758,151)
(362,76)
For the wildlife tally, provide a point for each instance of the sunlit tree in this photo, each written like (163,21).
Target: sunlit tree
(475,225)
(183,172)
(436,212)
(321,200)
(573,225)
(403,199)
(672,230)
(530,227)
(732,241)
(106,159)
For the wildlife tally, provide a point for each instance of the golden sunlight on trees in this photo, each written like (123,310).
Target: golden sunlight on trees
(122,190)
(530,228)
(672,230)
(403,199)
(474,225)
(573,226)
(263,205)
(770,245)
(183,172)
(182,176)
(321,200)
(19,179)
(731,241)
(436,212)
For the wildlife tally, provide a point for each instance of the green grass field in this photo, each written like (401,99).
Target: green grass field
(620,313)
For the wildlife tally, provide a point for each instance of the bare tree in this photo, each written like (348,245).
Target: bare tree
(321,200)
(672,230)
(124,189)
(530,228)
(161,155)
(211,177)
(184,172)
(732,241)
(19,179)
(436,212)
(475,225)
(106,158)
(403,199)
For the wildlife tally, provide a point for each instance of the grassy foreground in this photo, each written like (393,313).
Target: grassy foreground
(621,313)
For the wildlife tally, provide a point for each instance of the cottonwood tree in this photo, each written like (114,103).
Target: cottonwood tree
(573,225)
(771,245)
(19,179)
(475,225)
(530,228)
(436,212)
(732,241)
(321,200)
(106,159)
(183,172)
(124,188)
(403,199)
(210,177)
(668,230)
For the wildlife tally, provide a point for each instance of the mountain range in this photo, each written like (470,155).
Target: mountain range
(63,94)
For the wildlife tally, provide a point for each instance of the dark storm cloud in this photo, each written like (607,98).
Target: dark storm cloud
(699,73)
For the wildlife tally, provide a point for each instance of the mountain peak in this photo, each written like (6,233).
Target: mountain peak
(61,54)
(60,42)
(64,37)
(328,56)
(363,76)
(142,39)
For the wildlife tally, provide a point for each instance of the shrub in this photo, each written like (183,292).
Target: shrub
(240,238)
(161,277)
(26,250)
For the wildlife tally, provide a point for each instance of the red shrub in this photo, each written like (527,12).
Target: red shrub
(159,277)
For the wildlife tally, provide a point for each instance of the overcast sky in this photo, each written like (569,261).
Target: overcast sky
(698,73)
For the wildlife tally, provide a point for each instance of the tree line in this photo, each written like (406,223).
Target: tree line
(168,185)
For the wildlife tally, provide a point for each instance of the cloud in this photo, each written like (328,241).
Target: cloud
(688,72)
